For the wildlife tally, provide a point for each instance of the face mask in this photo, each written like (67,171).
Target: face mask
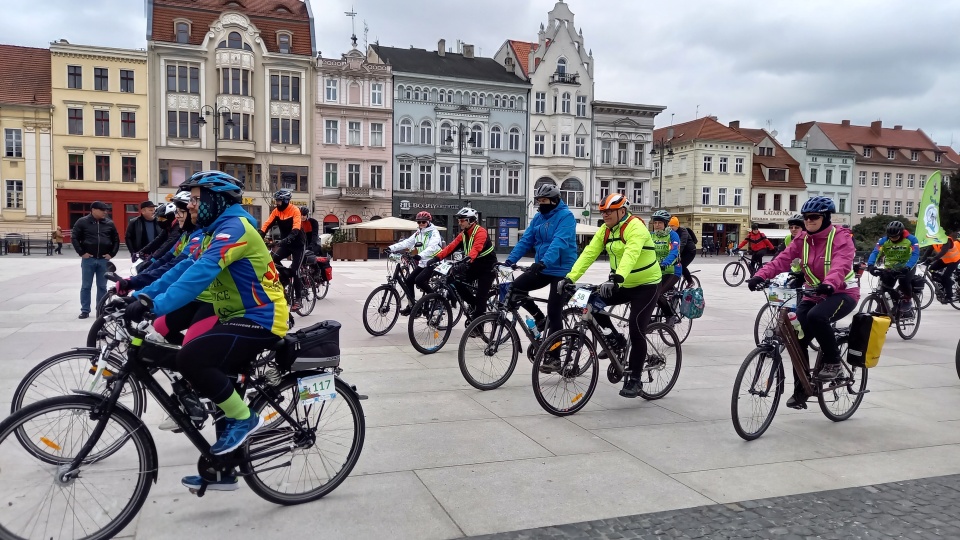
(282,206)
(546,208)
(210,207)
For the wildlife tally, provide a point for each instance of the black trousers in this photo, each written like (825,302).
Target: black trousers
(666,283)
(685,259)
(481,271)
(906,281)
(295,251)
(420,277)
(946,277)
(642,299)
(527,282)
(815,319)
(756,260)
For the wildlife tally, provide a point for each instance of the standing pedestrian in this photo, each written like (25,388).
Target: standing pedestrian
(57,237)
(95,239)
(142,229)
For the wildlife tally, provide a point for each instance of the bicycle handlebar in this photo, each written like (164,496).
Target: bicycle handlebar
(112,276)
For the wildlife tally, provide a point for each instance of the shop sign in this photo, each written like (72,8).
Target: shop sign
(407,205)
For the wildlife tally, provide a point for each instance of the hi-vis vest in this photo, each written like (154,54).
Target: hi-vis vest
(468,244)
(827,256)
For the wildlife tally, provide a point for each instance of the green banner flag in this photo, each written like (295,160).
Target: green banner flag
(929,231)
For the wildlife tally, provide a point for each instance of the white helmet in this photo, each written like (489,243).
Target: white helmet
(181,199)
(468,213)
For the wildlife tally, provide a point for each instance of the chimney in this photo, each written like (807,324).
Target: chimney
(897,128)
(669,133)
(876,127)
(735,124)
(467,51)
(845,123)
(442,47)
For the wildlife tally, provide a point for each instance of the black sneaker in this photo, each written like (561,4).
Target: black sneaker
(407,310)
(795,403)
(616,342)
(83,315)
(550,364)
(830,372)
(631,388)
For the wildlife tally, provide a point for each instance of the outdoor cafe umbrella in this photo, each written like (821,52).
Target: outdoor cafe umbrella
(388,223)
(584,230)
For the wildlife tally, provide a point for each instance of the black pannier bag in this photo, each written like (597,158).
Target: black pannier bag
(309,257)
(918,283)
(314,347)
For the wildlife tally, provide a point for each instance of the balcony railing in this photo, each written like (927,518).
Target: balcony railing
(355,193)
(565,78)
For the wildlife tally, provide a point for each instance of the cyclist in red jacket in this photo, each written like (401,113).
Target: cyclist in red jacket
(760,245)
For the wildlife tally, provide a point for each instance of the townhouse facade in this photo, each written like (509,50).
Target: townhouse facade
(26,175)
(561,72)
(459,138)
(230,89)
(777,189)
(892,165)
(100,128)
(622,163)
(353,140)
(706,180)
(828,173)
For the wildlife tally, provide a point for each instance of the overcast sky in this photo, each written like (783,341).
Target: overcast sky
(754,61)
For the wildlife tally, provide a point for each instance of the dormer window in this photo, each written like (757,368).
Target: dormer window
(891,153)
(937,157)
(284,39)
(182,31)
(867,152)
(914,155)
(283,10)
(766,150)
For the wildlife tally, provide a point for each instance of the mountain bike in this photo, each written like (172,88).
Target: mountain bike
(318,276)
(99,459)
(882,302)
(568,389)
(683,324)
(736,272)
(759,384)
(932,279)
(382,307)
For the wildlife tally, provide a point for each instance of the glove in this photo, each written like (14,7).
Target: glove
(461,265)
(562,285)
(872,269)
(824,289)
(135,311)
(417,258)
(536,267)
(133,257)
(123,287)
(755,283)
(387,251)
(431,262)
(607,289)
(263,234)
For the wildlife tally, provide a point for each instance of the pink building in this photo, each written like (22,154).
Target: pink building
(353,140)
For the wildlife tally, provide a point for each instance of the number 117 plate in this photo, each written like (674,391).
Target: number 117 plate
(317,388)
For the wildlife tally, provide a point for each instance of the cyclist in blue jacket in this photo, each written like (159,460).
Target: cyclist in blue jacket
(552,235)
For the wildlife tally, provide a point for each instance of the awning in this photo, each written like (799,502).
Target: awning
(330,218)
(778,234)
(354,219)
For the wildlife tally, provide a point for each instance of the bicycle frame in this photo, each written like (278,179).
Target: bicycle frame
(788,337)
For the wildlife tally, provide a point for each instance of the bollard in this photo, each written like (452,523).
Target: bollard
(49,248)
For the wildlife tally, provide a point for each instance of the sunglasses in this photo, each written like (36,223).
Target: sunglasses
(812,217)
(608,212)
(422,222)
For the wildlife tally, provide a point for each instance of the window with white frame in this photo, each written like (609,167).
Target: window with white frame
(886,179)
(655,198)
(873,206)
(891,153)
(376,176)
(14,193)
(911,179)
(476,180)
(496,137)
(897,206)
(723,164)
(738,165)
(721,196)
(353,175)
(446,134)
(494,181)
(899,182)
(639,157)
(541,103)
(331,132)
(332,86)
(426,132)
(604,189)
(538,144)
(473,98)
(874,179)
(909,209)
(582,106)
(828,174)
(353,132)
(564,145)
(565,103)
(705,195)
(868,152)
(406,131)
(707,163)
(376,94)
(606,149)
(637,192)
(426,177)
(581,147)
(477,134)
(937,157)
(513,181)
(622,188)
(923,181)
(737,196)
(445,177)
(621,153)
(515,139)
(406,176)
(843,177)
(813,175)
(376,134)
(330,175)
(862,178)
(861,206)
(886,207)
(841,204)
(13,143)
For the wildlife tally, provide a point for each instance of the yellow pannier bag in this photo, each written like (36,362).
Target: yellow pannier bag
(868,333)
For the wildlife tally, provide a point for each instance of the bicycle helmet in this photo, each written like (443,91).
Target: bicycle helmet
(424,216)
(217,182)
(181,199)
(283,195)
(468,213)
(895,229)
(166,211)
(818,205)
(796,219)
(304,211)
(613,201)
(548,191)
(661,215)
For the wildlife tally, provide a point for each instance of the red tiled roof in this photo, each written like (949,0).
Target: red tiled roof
(780,160)
(24,75)
(522,51)
(951,154)
(701,128)
(263,14)
(854,138)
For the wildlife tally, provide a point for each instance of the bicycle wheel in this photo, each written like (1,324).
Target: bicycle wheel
(430,323)
(682,328)
(43,500)
(956,295)
(872,304)
(661,368)
(323,287)
(488,359)
(765,317)
(907,326)
(734,274)
(381,310)
(840,403)
(309,299)
(756,393)
(925,295)
(694,282)
(322,450)
(567,390)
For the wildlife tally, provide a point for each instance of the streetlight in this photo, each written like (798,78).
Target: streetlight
(660,147)
(224,112)
(460,144)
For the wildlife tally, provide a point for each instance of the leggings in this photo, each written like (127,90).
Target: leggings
(481,270)
(815,319)
(527,282)
(666,283)
(196,318)
(295,251)
(642,299)
(228,347)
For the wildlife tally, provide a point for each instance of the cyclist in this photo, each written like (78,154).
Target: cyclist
(635,278)
(666,242)
(169,233)
(900,251)
(552,234)
(945,257)
(425,243)
(795,225)
(287,219)
(236,267)
(759,246)
(688,248)
(311,230)
(826,255)
(477,264)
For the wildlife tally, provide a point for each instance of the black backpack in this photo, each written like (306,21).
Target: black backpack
(693,237)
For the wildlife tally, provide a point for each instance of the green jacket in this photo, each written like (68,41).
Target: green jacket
(631,252)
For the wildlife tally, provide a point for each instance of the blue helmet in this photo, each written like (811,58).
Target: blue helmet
(818,204)
(217,182)
(283,195)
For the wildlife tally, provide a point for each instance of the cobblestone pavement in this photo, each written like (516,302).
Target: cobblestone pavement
(914,509)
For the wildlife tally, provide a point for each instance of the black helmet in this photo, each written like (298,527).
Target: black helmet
(283,195)
(549,191)
(304,211)
(796,219)
(895,229)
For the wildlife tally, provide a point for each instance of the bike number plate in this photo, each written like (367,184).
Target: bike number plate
(581,298)
(444,267)
(316,388)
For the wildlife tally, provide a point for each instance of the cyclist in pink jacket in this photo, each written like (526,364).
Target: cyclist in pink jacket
(825,255)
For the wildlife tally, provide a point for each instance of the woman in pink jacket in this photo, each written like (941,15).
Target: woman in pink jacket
(825,252)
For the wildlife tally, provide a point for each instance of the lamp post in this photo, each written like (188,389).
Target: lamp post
(461,142)
(224,112)
(660,148)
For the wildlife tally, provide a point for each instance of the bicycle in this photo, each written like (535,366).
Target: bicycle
(881,302)
(760,381)
(693,283)
(782,292)
(561,392)
(385,299)
(317,275)
(79,432)
(495,332)
(736,272)
(932,288)
(683,324)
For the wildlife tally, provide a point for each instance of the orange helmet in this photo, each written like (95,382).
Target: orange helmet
(613,201)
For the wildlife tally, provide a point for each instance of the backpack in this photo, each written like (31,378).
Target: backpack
(693,237)
(691,303)
(606,234)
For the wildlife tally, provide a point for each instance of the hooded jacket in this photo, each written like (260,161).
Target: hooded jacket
(429,240)
(841,263)
(553,236)
(758,241)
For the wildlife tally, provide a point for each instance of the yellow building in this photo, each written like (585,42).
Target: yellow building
(100,128)
(25,168)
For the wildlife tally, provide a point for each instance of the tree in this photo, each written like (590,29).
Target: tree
(867,232)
